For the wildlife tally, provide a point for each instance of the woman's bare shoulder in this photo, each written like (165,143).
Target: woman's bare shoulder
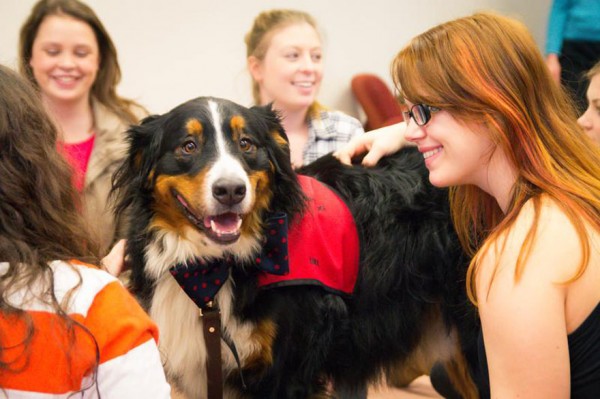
(543,242)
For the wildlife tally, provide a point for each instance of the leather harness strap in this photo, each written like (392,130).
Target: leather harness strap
(210,318)
(211,324)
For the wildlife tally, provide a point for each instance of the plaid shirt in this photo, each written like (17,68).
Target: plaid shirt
(330,131)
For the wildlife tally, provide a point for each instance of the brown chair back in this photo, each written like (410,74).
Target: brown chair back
(377,101)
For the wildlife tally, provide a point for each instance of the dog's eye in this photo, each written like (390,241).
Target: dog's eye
(189,147)
(246,145)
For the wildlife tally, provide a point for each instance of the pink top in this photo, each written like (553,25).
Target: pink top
(78,156)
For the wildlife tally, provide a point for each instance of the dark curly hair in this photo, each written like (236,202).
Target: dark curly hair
(39,221)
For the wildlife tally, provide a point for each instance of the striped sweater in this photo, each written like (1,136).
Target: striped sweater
(50,367)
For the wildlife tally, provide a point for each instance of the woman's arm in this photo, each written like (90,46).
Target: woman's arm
(129,360)
(376,143)
(554,36)
(114,262)
(525,323)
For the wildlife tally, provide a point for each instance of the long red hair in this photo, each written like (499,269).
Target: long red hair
(486,68)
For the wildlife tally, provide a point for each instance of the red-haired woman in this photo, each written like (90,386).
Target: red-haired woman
(525,195)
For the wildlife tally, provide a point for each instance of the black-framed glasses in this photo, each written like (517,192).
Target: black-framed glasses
(421,113)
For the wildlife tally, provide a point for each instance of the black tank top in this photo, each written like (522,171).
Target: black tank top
(584,357)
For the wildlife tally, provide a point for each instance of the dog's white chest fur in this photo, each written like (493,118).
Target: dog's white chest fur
(181,340)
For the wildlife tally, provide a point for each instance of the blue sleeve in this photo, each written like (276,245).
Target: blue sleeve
(556,26)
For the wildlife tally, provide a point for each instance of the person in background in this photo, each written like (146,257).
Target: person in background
(525,197)
(590,119)
(67,54)
(573,43)
(65,325)
(285,59)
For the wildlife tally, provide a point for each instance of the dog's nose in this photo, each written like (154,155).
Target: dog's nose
(229,191)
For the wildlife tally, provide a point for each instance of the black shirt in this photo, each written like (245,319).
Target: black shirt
(584,357)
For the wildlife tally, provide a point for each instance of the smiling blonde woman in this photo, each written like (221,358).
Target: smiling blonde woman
(285,60)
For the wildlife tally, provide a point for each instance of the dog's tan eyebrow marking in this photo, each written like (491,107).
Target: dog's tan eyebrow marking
(237,122)
(193,126)
(279,139)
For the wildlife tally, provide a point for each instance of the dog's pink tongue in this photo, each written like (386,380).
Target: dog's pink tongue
(224,224)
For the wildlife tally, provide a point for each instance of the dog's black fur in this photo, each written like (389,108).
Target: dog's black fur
(411,262)
(409,308)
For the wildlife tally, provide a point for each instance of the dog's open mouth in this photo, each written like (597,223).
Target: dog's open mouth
(222,229)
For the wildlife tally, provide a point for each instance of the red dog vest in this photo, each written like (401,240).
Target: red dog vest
(323,246)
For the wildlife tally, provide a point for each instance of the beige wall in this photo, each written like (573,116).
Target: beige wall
(171,51)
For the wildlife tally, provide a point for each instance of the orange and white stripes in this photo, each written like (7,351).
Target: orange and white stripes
(52,365)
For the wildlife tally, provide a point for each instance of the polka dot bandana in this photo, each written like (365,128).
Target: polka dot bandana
(202,279)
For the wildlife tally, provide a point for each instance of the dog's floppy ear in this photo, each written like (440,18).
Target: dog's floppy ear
(278,148)
(273,119)
(135,172)
(276,134)
(144,144)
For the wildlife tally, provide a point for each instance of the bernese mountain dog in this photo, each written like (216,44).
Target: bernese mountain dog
(315,282)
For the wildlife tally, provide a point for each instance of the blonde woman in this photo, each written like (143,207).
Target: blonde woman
(590,119)
(285,59)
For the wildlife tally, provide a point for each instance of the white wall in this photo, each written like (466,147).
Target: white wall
(175,50)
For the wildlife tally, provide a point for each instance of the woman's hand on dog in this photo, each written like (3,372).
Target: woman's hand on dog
(376,143)
(115,262)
